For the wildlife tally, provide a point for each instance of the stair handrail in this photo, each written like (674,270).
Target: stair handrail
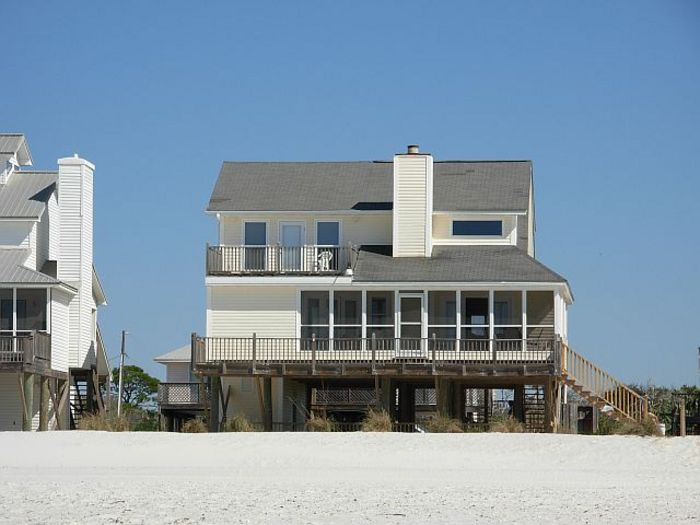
(603,385)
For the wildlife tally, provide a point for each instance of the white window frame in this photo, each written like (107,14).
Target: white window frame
(340,233)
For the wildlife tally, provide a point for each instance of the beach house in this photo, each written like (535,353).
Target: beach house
(52,359)
(409,284)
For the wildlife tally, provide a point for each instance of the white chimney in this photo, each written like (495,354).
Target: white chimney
(413,203)
(75,183)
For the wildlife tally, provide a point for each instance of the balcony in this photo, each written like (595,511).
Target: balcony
(370,356)
(32,348)
(182,395)
(279,260)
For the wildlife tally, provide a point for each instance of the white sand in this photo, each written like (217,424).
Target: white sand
(94,477)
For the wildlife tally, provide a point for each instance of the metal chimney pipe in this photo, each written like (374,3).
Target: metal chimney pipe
(413,149)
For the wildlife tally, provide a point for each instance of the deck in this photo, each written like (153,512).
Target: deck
(29,352)
(294,357)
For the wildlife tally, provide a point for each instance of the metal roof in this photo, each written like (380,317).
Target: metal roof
(13,271)
(26,193)
(179,355)
(453,264)
(16,144)
(330,186)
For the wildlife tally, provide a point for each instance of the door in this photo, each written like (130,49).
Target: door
(292,243)
(411,326)
(255,249)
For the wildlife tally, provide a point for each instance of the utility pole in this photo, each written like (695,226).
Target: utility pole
(121,374)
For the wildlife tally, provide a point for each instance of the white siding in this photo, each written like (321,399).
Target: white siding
(369,228)
(75,194)
(42,240)
(60,331)
(10,404)
(53,215)
(177,372)
(240,311)
(15,233)
(413,185)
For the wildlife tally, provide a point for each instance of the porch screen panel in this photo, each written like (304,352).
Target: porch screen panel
(6,310)
(540,316)
(442,315)
(475,321)
(380,317)
(347,320)
(508,315)
(31,309)
(315,319)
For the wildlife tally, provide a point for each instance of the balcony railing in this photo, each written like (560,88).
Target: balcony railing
(182,395)
(29,348)
(258,352)
(279,260)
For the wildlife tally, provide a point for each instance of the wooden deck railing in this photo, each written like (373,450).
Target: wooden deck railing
(182,394)
(279,260)
(597,383)
(29,348)
(262,351)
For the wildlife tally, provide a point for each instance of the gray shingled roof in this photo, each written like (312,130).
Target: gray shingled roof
(13,271)
(322,186)
(453,264)
(26,193)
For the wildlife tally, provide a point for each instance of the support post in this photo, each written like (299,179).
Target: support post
(549,406)
(682,417)
(434,352)
(313,353)
(519,403)
(267,401)
(214,404)
(44,403)
(28,401)
(255,350)
(63,410)
(388,396)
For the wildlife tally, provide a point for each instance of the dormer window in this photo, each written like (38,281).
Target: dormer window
(477,228)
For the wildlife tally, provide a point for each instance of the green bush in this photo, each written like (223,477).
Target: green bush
(377,421)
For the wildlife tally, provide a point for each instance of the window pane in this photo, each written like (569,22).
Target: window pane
(508,333)
(5,309)
(442,308)
(475,333)
(255,233)
(410,309)
(475,308)
(347,332)
(442,333)
(328,233)
(477,228)
(507,307)
(347,308)
(31,309)
(411,331)
(314,308)
(540,308)
(541,333)
(380,308)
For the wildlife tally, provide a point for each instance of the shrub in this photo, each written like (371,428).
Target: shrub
(377,421)
(646,427)
(608,425)
(443,424)
(103,422)
(507,425)
(195,426)
(238,423)
(319,424)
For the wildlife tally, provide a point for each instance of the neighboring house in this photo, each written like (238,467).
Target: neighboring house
(182,395)
(52,359)
(365,283)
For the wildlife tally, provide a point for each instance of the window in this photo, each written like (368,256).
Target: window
(254,235)
(477,228)
(315,319)
(475,319)
(31,309)
(328,233)
(347,320)
(442,315)
(6,309)
(508,314)
(380,316)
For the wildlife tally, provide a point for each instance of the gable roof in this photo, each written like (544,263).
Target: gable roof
(13,271)
(335,186)
(476,264)
(15,144)
(26,193)
(179,355)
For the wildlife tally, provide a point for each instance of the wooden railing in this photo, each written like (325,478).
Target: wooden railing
(29,348)
(258,351)
(182,394)
(279,260)
(597,383)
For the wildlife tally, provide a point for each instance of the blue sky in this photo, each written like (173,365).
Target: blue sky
(603,97)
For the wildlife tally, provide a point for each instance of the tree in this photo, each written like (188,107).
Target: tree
(139,387)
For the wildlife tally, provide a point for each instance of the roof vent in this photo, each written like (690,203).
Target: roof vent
(413,149)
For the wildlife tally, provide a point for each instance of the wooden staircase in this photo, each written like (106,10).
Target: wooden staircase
(601,389)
